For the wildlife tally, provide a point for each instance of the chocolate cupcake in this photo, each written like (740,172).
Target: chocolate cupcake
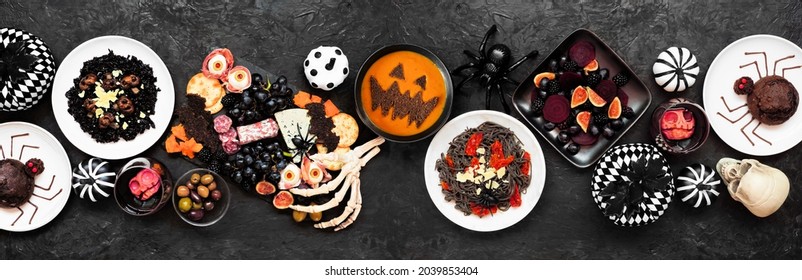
(16,183)
(773,101)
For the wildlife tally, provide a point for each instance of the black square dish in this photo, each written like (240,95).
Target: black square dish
(639,98)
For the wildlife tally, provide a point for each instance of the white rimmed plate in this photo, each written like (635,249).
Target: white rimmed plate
(70,68)
(56,164)
(719,81)
(500,220)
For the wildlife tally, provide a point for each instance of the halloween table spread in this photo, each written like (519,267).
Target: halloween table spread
(398,219)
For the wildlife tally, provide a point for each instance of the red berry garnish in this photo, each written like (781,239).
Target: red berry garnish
(743,81)
(741,86)
(34,170)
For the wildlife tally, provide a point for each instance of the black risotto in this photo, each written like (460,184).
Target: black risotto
(113,98)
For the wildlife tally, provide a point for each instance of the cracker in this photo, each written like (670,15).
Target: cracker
(208,88)
(346,128)
(336,166)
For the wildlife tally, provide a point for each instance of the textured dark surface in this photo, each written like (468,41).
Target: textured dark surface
(398,219)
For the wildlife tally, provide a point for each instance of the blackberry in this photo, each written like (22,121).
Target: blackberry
(570,66)
(565,124)
(537,105)
(215,167)
(220,155)
(205,155)
(553,87)
(628,112)
(229,101)
(620,79)
(600,119)
(593,79)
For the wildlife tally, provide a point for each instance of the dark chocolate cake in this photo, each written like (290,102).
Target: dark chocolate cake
(773,101)
(16,183)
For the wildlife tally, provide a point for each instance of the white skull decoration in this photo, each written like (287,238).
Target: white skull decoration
(761,188)
(677,124)
(326,67)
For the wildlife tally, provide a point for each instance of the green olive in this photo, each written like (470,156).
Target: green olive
(196,206)
(207,179)
(184,204)
(203,191)
(212,186)
(195,178)
(182,191)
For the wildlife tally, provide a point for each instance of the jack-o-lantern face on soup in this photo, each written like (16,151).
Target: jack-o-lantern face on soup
(677,124)
(403,93)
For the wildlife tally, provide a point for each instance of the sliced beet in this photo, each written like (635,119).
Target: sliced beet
(607,90)
(582,52)
(584,138)
(623,97)
(557,109)
(569,80)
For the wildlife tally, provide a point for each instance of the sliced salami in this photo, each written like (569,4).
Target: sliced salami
(229,136)
(267,128)
(230,147)
(222,123)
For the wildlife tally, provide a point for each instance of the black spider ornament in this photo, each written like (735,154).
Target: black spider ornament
(491,68)
(303,142)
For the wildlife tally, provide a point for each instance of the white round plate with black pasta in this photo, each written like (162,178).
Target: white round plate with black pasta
(70,68)
(718,87)
(501,219)
(37,143)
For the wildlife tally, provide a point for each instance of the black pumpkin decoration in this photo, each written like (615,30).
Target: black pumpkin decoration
(697,184)
(90,177)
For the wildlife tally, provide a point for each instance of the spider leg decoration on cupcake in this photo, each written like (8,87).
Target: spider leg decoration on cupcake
(772,100)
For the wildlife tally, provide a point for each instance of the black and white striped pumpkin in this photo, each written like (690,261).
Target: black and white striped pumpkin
(676,69)
(697,184)
(24,92)
(90,178)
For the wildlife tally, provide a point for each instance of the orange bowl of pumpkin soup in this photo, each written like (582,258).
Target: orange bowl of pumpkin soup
(403,93)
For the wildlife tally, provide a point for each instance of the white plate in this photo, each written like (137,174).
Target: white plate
(56,164)
(719,81)
(70,68)
(501,219)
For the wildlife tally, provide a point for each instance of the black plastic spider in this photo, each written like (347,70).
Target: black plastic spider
(486,198)
(302,142)
(491,68)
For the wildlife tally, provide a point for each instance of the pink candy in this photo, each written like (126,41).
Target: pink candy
(145,184)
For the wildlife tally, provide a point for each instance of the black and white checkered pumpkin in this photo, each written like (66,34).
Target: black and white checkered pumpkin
(608,170)
(21,94)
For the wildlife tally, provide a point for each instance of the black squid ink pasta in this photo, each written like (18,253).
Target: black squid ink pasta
(470,171)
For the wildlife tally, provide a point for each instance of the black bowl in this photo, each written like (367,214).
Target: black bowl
(639,98)
(446,78)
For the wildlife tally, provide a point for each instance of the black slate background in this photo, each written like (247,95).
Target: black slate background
(398,219)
